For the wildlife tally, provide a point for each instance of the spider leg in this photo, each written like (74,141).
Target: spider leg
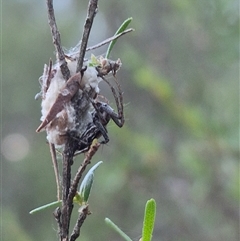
(118,122)
(119,102)
(105,108)
(102,130)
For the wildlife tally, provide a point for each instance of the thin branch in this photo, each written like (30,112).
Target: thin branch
(93,149)
(67,192)
(106,41)
(68,154)
(92,10)
(57,41)
(66,176)
(55,167)
(83,212)
(67,158)
(63,215)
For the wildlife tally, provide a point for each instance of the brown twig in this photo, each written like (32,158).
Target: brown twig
(69,190)
(83,212)
(106,41)
(93,149)
(57,41)
(68,153)
(64,216)
(55,167)
(66,181)
(92,10)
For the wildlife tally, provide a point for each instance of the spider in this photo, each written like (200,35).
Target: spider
(101,115)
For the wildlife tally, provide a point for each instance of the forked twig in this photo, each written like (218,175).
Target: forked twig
(83,210)
(68,155)
(93,149)
(92,10)
(57,41)
(67,200)
(69,189)
(104,42)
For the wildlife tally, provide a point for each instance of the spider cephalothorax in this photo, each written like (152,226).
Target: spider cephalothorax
(101,115)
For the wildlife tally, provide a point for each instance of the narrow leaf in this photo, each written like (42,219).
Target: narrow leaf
(49,205)
(86,185)
(149,219)
(117,229)
(120,30)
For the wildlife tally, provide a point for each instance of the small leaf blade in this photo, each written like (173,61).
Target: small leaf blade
(49,205)
(149,219)
(123,26)
(86,185)
(111,224)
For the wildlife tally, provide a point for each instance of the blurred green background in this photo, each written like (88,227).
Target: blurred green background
(180,143)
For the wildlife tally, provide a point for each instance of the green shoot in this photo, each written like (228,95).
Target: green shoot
(149,219)
(117,229)
(120,30)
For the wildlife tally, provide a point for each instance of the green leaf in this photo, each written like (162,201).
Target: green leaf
(120,30)
(77,199)
(149,219)
(117,229)
(86,185)
(49,205)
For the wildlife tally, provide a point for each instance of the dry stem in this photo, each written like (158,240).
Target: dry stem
(92,10)
(55,166)
(57,41)
(63,217)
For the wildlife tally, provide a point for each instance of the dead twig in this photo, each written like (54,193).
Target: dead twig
(55,167)
(68,153)
(83,212)
(92,10)
(93,149)
(106,41)
(68,93)
(66,182)
(57,41)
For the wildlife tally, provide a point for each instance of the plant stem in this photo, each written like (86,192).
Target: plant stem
(92,10)
(57,41)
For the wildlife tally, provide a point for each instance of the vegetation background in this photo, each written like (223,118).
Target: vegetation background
(180,143)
